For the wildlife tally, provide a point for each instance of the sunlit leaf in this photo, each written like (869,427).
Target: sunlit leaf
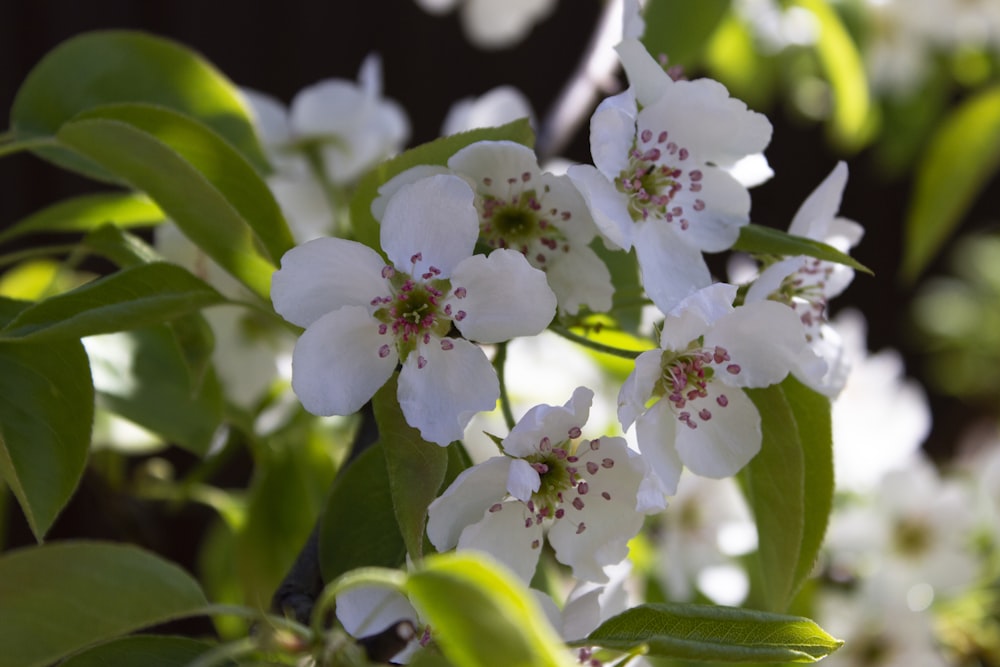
(761,240)
(119,246)
(482,614)
(60,598)
(961,157)
(711,632)
(113,66)
(679,29)
(87,212)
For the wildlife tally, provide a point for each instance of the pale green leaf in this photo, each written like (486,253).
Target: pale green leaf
(680,29)
(88,212)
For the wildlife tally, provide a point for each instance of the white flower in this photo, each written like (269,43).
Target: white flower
(494,24)
(363,316)
(701,418)
(660,183)
(493,108)
(588,489)
(806,284)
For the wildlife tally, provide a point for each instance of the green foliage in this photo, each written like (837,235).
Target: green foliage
(482,614)
(141,651)
(761,240)
(436,152)
(60,598)
(88,212)
(961,157)
(46,412)
(680,29)
(711,632)
(138,296)
(789,486)
(109,67)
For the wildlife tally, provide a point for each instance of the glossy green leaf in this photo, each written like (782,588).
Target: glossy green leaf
(482,614)
(359,525)
(60,598)
(87,212)
(773,483)
(436,152)
(119,246)
(961,157)
(204,185)
(681,29)
(114,66)
(416,467)
(761,240)
(141,651)
(46,413)
(845,70)
(711,632)
(138,296)
(146,376)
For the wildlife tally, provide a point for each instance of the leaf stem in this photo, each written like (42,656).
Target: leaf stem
(500,363)
(31,253)
(594,345)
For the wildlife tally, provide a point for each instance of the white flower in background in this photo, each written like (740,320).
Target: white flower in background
(912,535)
(589,604)
(880,418)
(363,316)
(708,525)
(497,106)
(897,50)
(536,213)
(806,284)
(776,26)
(494,24)
(686,398)
(660,184)
(587,489)
(369,610)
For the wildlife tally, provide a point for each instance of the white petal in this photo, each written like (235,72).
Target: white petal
(270,117)
(597,525)
(304,204)
(390,187)
(608,207)
(493,25)
(655,432)
(764,339)
(814,216)
(645,76)
(327,107)
(638,387)
(324,274)
(612,134)
(580,278)
(725,442)
(336,365)
(370,75)
(510,535)
(751,171)
(434,217)
(496,160)
(493,108)
(464,501)
(441,398)
(671,269)
(726,208)
(708,304)
(549,421)
(522,480)
(504,297)
(370,609)
(770,279)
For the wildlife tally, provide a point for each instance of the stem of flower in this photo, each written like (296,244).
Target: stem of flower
(594,345)
(499,362)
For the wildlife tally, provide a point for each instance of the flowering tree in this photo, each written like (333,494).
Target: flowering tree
(354,312)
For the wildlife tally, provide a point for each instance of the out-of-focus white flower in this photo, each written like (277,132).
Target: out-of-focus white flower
(368,610)
(493,108)
(880,418)
(660,183)
(494,24)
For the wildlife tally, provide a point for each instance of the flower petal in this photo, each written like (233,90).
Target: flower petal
(645,76)
(390,187)
(324,274)
(638,387)
(504,297)
(464,501)
(600,513)
(336,365)
(655,432)
(555,422)
(726,208)
(435,217)
(495,161)
(441,397)
(367,610)
(522,480)
(671,269)
(580,278)
(510,534)
(612,133)
(721,445)
(814,216)
(608,207)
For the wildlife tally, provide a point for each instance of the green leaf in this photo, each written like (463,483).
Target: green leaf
(60,598)
(138,296)
(680,29)
(201,182)
(710,632)
(141,651)
(147,377)
(117,245)
(961,157)
(761,240)
(359,527)
(85,213)
(109,67)
(416,467)
(436,152)
(46,413)
(482,614)
(852,120)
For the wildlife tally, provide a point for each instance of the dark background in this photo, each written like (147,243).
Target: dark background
(280,48)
